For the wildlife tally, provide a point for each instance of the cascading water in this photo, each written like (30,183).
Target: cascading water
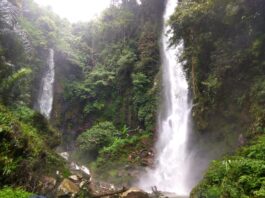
(45,99)
(172,163)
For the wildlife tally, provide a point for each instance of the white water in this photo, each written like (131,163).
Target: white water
(45,99)
(172,163)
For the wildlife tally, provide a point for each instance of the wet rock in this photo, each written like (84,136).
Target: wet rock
(80,171)
(134,193)
(65,155)
(59,174)
(47,184)
(50,181)
(67,188)
(74,166)
(144,153)
(75,178)
(149,162)
(86,172)
(82,184)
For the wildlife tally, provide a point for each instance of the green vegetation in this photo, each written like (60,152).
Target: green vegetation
(241,175)
(27,139)
(119,83)
(13,193)
(121,148)
(108,150)
(122,61)
(24,145)
(97,137)
(116,161)
(109,71)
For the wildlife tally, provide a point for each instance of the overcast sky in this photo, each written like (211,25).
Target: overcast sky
(76,10)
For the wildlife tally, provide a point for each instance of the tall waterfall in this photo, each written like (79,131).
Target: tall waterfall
(45,99)
(172,163)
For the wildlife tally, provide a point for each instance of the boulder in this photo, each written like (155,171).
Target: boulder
(65,155)
(74,166)
(82,184)
(47,185)
(75,178)
(148,161)
(49,182)
(86,172)
(134,193)
(67,188)
(80,171)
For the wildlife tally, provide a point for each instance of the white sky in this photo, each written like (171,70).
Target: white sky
(76,10)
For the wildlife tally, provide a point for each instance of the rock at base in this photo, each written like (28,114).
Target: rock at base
(65,155)
(75,178)
(80,171)
(67,188)
(86,172)
(134,193)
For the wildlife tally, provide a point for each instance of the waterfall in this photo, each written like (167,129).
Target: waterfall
(45,99)
(171,170)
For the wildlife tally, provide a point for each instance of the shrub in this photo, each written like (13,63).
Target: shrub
(241,175)
(95,138)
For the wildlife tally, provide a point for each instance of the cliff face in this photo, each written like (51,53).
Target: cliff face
(224,49)
(66,114)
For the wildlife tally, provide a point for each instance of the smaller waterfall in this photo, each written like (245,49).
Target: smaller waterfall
(45,99)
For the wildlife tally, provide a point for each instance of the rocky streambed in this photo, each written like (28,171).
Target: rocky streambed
(81,184)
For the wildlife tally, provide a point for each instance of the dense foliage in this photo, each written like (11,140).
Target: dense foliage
(26,144)
(26,34)
(241,175)
(106,86)
(97,137)
(120,83)
(117,162)
(13,86)
(26,137)
(122,61)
